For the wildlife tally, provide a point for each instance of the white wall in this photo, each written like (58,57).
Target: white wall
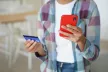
(102,5)
(36,3)
(101,64)
(46,1)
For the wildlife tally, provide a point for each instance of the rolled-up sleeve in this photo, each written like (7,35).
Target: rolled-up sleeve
(92,45)
(40,33)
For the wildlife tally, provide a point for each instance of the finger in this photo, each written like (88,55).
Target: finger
(73,38)
(36,48)
(33,50)
(27,41)
(77,32)
(69,29)
(74,27)
(32,47)
(29,44)
(69,37)
(65,33)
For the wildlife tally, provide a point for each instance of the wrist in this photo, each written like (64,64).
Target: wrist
(81,42)
(41,51)
(82,39)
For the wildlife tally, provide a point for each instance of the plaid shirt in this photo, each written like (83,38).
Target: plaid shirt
(88,21)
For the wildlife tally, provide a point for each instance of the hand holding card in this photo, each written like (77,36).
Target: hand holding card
(33,44)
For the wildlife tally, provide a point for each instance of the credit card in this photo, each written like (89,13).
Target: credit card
(27,37)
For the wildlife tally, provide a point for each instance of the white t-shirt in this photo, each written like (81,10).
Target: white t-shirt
(64,46)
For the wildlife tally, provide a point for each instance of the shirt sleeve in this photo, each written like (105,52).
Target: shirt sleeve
(92,45)
(40,33)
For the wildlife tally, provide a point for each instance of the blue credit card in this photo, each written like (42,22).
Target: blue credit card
(31,38)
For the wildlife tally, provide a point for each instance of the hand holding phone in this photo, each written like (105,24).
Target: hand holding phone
(68,19)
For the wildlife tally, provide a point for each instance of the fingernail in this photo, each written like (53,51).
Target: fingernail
(28,40)
(35,42)
(62,26)
(68,25)
(31,40)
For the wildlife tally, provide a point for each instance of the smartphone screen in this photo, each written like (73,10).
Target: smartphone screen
(68,19)
(31,38)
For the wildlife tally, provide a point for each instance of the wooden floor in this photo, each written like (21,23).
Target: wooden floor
(100,65)
(20,65)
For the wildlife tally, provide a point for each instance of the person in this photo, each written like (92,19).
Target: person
(76,51)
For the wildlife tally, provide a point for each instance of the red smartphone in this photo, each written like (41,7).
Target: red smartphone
(68,19)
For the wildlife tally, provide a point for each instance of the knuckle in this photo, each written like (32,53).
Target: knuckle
(31,41)
(30,49)
(27,45)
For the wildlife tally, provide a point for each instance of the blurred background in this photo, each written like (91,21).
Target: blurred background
(19,17)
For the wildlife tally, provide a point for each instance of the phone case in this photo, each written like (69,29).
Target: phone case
(31,38)
(68,19)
